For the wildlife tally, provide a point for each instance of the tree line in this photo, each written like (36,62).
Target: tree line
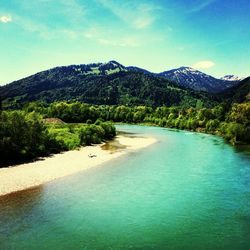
(229,121)
(25,136)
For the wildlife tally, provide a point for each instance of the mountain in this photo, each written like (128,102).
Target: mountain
(113,83)
(109,83)
(239,93)
(90,69)
(137,69)
(231,78)
(197,80)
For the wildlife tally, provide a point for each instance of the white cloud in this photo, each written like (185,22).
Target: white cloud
(203,65)
(44,31)
(71,10)
(91,33)
(5,19)
(106,37)
(201,6)
(123,42)
(141,23)
(137,15)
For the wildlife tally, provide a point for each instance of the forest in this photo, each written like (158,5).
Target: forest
(122,88)
(229,121)
(25,134)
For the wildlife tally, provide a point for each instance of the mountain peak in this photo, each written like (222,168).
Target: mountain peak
(197,80)
(186,67)
(111,67)
(231,78)
(113,62)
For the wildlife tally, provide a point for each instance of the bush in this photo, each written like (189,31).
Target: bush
(235,132)
(22,135)
(109,130)
(212,125)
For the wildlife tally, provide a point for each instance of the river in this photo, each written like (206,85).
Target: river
(187,191)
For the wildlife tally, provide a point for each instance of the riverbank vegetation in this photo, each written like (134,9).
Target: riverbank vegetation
(230,122)
(25,136)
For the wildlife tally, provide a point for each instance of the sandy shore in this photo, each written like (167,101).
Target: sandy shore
(32,174)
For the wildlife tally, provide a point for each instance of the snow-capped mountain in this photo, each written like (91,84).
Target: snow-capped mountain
(183,76)
(231,78)
(197,80)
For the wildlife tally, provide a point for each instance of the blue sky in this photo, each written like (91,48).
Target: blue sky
(210,35)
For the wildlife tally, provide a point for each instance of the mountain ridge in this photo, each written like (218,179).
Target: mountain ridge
(114,66)
(197,80)
(109,83)
(107,87)
(232,78)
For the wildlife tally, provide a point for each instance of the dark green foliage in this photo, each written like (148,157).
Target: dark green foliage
(121,88)
(234,132)
(239,93)
(25,136)
(232,122)
(109,130)
(22,136)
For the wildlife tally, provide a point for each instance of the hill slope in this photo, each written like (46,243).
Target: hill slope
(109,83)
(239,93)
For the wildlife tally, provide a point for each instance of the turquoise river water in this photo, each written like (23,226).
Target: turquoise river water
(187,191)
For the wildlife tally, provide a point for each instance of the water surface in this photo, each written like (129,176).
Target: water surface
(187,191)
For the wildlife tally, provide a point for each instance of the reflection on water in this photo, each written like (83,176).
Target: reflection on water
(16,211)
(245,149)
(127,134)
(16,200)
(119,132)
(113,146)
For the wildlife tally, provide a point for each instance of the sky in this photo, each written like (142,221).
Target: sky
(212,36)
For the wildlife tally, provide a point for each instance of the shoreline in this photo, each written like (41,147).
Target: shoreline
(28,175)
(197,130)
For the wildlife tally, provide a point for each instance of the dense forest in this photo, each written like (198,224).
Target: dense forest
(26,136)
(239,93)
(95,101)
(231,122)
(113,85)
(121,88)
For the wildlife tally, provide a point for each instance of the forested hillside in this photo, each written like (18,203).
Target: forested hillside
(96,93)
(239,93)
(125,88)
